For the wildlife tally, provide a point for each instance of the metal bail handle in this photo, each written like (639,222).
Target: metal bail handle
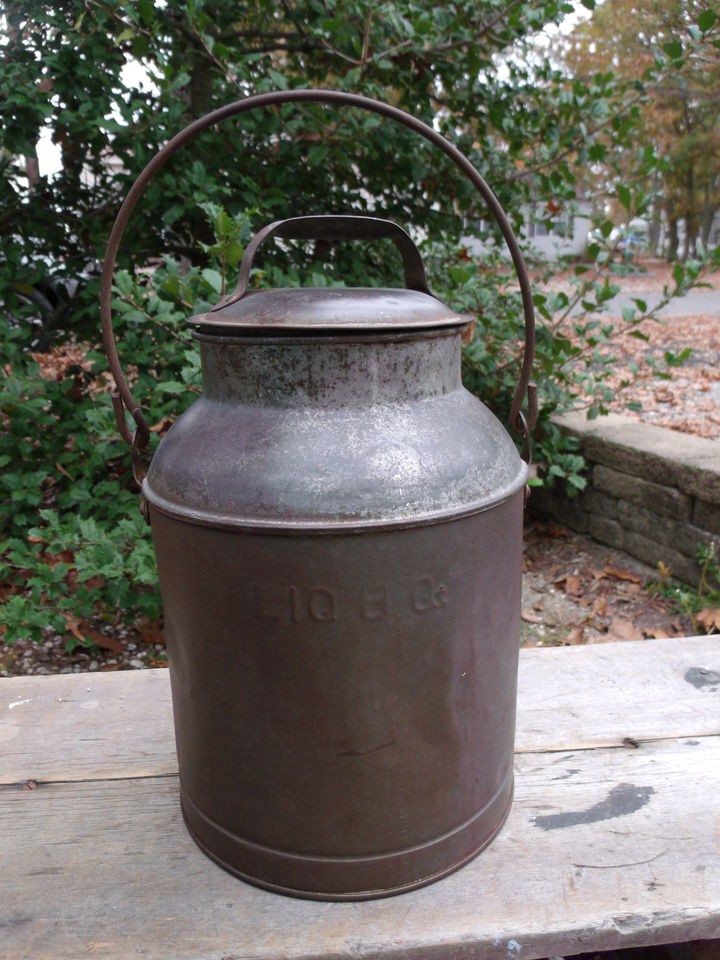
(332,227)
(123,399)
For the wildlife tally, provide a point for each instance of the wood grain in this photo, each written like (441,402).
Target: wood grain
(603,848)
(607,845)
(116,725)
(86,726)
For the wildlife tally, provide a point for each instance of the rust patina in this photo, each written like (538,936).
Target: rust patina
(338,528)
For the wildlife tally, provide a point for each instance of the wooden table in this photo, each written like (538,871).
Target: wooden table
(613,840)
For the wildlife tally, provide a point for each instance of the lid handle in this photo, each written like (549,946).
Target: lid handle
(332,227)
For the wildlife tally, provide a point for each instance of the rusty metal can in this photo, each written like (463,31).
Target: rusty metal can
(338,529)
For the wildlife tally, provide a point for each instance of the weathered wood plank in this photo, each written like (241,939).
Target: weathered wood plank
(86,726)
(604,848)
(600,694)
(89,726)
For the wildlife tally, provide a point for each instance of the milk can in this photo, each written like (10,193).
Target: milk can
(337,524)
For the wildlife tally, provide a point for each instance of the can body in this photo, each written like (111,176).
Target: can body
(338,530)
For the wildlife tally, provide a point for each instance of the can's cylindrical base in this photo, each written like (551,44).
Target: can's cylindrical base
(344,703)
(348,878)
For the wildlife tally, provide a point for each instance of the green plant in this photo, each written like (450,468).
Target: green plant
(700,604)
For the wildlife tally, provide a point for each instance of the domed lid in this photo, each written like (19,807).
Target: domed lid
(331,308)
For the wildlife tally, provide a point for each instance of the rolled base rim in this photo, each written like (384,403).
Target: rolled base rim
(407,864)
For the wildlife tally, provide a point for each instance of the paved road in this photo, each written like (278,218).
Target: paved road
(693,303)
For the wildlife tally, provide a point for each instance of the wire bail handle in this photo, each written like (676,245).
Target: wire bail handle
(123,400)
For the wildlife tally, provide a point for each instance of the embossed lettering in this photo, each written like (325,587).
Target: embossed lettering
(374,604)
(270,602)
(295,605)
(321,605)
(428,595)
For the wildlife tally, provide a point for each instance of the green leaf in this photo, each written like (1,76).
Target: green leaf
(624,195)
(707,20)
(214,278)
(673,49)
(147,11)
(279,79)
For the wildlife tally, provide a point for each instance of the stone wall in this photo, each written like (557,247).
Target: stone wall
(652,492)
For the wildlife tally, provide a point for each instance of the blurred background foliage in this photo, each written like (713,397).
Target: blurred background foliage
(607,113)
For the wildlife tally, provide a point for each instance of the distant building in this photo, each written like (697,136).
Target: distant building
(546,234)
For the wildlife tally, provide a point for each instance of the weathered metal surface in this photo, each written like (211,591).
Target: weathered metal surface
(123,399)
(338,530)
(326,431)
(344,704)
(332,309)
(331,227)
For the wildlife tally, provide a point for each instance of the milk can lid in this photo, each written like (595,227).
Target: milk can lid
(329,309)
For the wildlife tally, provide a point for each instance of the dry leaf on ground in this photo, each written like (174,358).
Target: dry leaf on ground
(575,636)
(624,630)
(617,573)
(709,619)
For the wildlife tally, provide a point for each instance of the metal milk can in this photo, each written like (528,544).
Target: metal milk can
(338,526)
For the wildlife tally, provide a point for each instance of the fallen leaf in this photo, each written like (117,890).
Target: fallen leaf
(573,586)
(652,633)
(575,636)
(162,426)
(34,539)
(94,583)
(624,630)
(152,634)
(104,642)
(600,606)
(555,530)
(708,619)
(570,584)
(530,617)
(65,556)
(617,573)
(73,625)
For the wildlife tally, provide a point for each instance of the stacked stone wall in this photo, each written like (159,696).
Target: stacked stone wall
(652,492)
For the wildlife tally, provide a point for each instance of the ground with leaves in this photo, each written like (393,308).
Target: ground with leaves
(689,400)
(576,591)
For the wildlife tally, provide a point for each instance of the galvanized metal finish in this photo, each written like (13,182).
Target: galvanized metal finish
(521,423)
(332,432)
(338,527)
(330,309)
(338,530)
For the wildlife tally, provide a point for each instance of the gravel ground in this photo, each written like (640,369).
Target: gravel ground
(124,649)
